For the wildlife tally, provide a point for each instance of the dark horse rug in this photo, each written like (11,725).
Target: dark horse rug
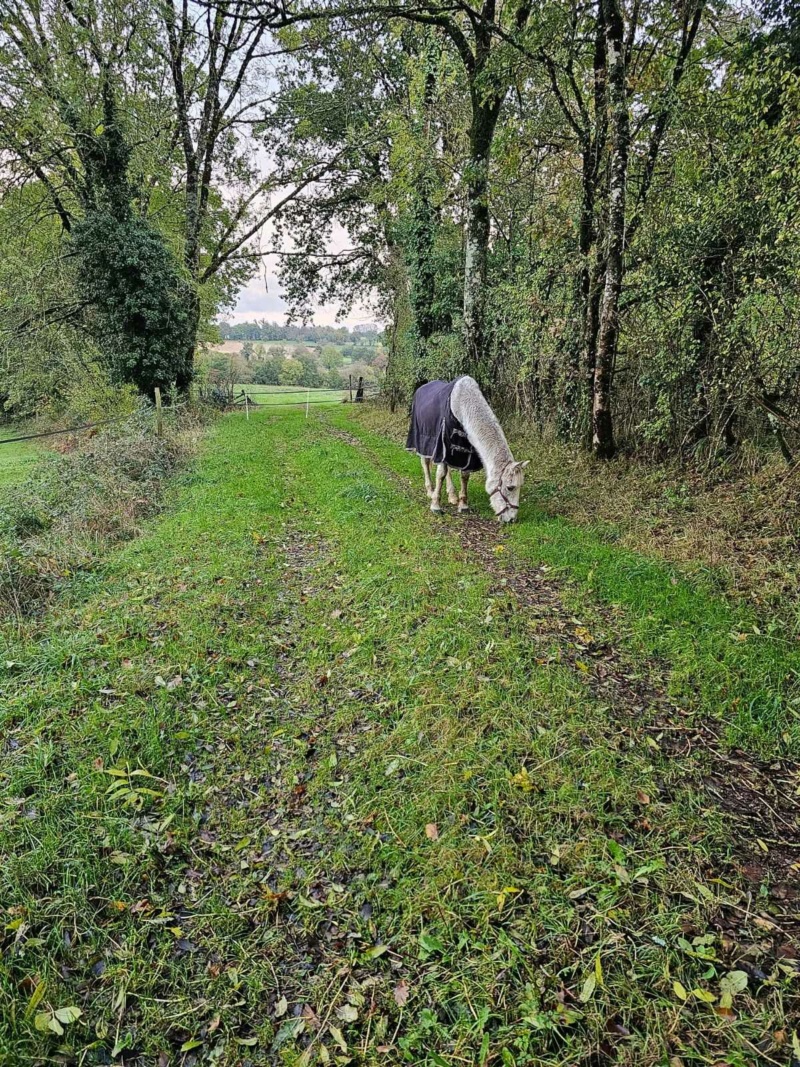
(435,433)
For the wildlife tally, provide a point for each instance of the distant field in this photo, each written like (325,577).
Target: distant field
(16,460)
(291,395)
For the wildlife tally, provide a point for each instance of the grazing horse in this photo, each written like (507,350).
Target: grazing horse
(453,427)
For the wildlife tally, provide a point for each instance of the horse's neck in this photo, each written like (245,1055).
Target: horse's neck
(469,406)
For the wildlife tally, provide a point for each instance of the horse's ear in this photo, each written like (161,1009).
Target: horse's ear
(521,466)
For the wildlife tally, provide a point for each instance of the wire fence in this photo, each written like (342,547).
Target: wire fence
(306,397)
(68,429)
(246,397)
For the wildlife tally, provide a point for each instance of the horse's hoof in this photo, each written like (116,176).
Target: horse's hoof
(437,511)
(463,509)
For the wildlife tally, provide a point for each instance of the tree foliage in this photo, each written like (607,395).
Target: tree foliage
(591,207)
(640,184)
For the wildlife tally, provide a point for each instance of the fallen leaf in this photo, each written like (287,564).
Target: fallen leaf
(704,995)
(68,1015)
(432,831)
(642,797)
(504,894)
(734,982)
(36,998)
(338,1037)
(588,989)
(281,1008)
(347,1013)
(311,1017)
(401,992)
(522,780)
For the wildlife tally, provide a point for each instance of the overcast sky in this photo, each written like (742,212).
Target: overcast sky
(261,299)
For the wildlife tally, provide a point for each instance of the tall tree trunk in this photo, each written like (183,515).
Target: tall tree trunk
(484,123)
(597,273)
(399,369)
(572,406)
(425,222)
(593,261)
(608,333)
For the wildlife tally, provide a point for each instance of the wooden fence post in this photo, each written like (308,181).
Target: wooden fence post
(350,376)
(159,415)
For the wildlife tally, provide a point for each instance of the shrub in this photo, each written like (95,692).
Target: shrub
(78,502)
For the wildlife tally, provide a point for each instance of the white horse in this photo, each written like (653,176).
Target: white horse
(453,427)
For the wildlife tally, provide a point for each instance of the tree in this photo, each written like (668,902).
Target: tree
(331,357)
(69,77)
(268,372)
(217,58)
(291,372)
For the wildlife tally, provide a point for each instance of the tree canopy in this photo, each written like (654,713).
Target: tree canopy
(591,208)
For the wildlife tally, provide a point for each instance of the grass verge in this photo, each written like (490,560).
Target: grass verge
(296,785)
(94,492)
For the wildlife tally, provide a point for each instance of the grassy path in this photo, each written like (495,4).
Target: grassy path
(314,778)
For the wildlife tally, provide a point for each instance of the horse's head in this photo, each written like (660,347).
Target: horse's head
(504,495)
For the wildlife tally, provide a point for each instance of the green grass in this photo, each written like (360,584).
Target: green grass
(16,460)
(725,663)
(381,822)
(292,395)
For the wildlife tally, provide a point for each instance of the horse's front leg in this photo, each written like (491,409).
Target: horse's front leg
(426,472)
(441,470)
(452,495)
(463,505)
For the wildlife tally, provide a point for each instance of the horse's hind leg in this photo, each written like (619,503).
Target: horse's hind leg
(437,489)
(463,505)
(426,472)
(452,495)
